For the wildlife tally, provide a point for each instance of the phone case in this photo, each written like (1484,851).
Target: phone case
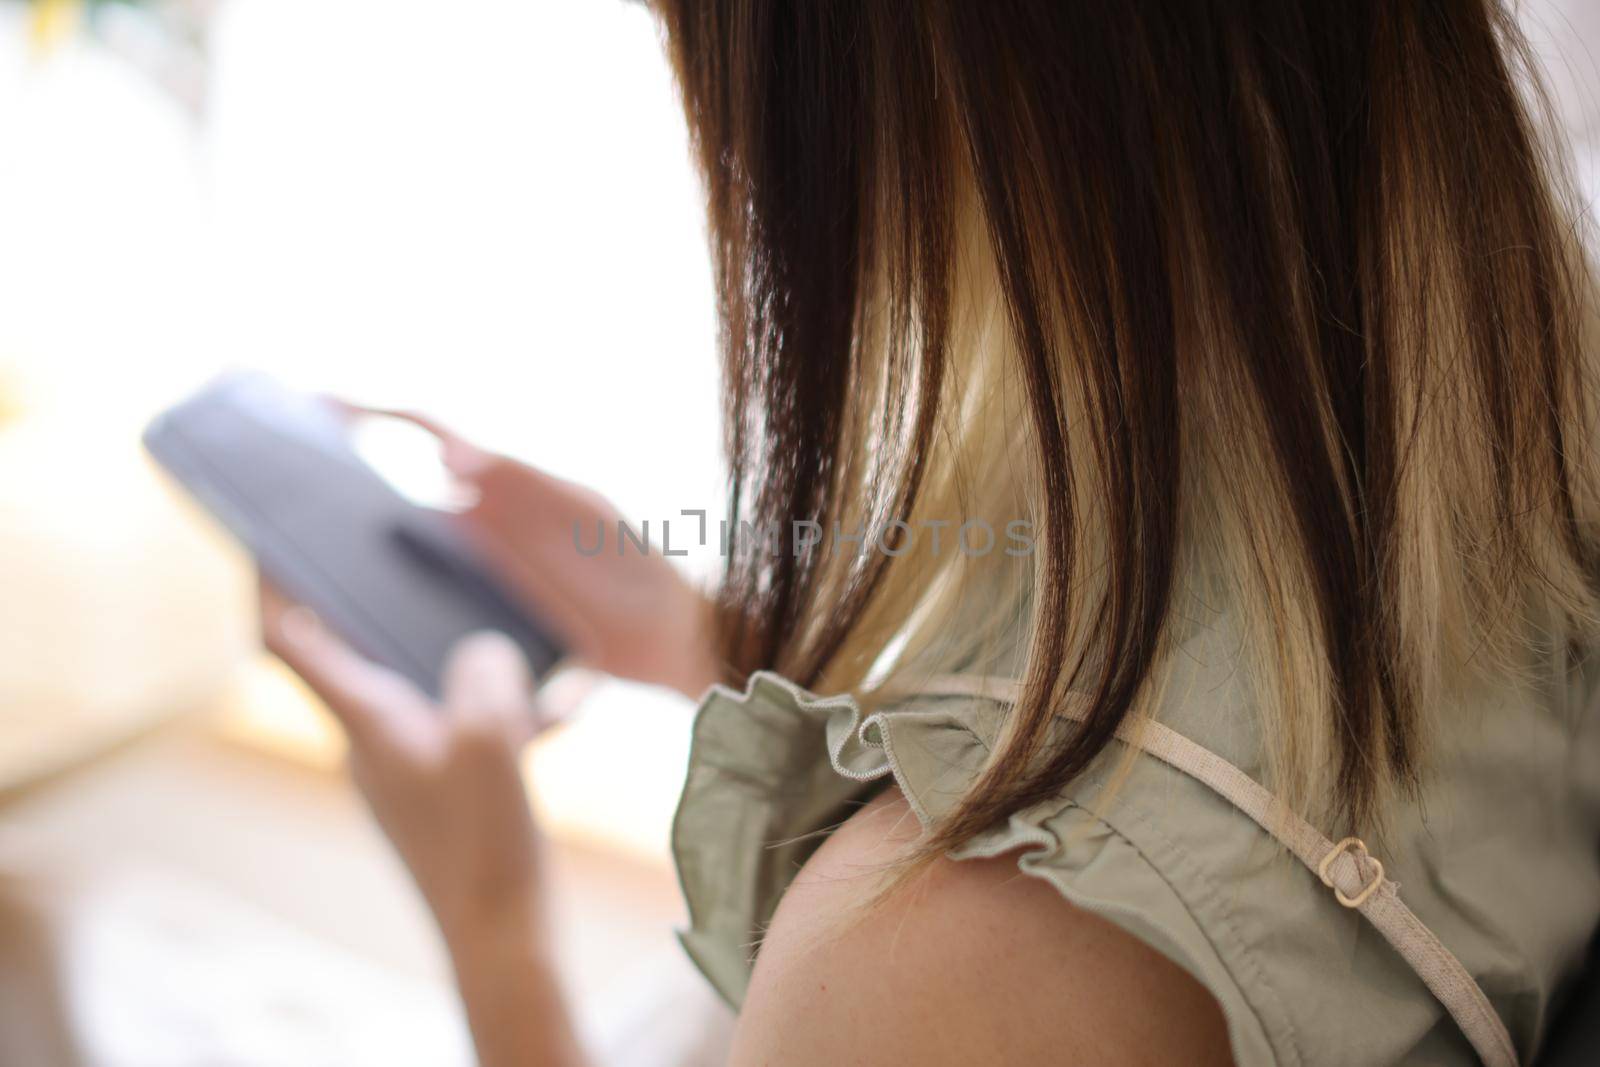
(399,582)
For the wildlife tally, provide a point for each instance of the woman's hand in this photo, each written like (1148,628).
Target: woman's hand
(444,783)
(442,780)
(628,613)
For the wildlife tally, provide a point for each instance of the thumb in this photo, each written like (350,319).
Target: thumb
(488,689)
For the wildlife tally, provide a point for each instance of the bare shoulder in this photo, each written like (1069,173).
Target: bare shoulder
(975,963)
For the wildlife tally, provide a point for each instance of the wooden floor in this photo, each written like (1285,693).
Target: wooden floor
(188,888)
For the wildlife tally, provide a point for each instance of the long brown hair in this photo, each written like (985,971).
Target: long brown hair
(1271,305)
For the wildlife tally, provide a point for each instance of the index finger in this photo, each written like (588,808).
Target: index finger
(374,705)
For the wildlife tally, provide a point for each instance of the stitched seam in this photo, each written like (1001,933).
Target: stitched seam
(1242,955)
(899,776)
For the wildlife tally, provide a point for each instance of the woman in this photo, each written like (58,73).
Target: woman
(1265,331)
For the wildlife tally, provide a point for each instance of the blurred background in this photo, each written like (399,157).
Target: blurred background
(483,209)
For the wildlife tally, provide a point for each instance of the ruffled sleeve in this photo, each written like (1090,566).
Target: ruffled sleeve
(773,769)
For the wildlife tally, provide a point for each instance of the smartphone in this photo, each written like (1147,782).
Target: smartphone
(399,582)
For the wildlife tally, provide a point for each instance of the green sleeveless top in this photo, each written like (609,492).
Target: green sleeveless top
(1501,857)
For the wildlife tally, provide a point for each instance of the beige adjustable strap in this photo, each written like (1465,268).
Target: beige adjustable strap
(1355,876)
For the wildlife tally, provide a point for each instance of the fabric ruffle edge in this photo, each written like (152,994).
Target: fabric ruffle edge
(772,768)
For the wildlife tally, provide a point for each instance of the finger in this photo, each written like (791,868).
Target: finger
(271,602)
(553,603)
(374,705)
(488,689)
(564,692)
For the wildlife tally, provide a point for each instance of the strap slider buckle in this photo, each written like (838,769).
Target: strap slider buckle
(1358,852)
